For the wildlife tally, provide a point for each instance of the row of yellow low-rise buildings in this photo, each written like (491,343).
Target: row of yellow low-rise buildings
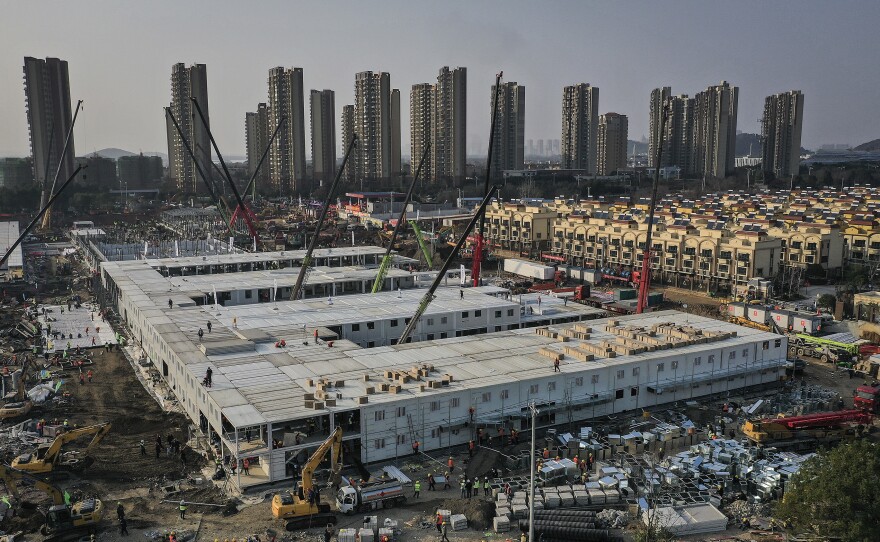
(722,239)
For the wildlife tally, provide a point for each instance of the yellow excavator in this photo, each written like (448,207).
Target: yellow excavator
(63,521)
(294,505)
(17,404)
(45,459)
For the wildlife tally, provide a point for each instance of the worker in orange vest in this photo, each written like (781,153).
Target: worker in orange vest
(546,453)
(451,464)
(415,447)
(471,448)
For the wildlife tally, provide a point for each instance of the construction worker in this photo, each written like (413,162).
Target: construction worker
(471,448)
(89,376)
(445,529)
(329,532)
(123,527)
(451,464)
(448,478)
(463,487)
(417,487)
(66,425)
(201,334)
(143,448)
(120,511)
(546,453)
(439,522)
(415,447)
(486,489)
(477,487)
(316,335)
(182,509)
(246,467)
(209,326)
(556,366)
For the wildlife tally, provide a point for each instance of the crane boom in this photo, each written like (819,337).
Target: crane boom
(307,259)
(247,219)
(252,183)
(222,207)
(421,240)
(429,295)
(47,218)
(645,277)
(401,220)
(36,219)
(479,239)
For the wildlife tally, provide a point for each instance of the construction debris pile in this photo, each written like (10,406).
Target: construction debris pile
(800,400)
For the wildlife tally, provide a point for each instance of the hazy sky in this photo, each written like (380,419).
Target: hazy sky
(120,55)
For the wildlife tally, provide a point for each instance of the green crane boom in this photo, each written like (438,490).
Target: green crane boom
(421,239)
(401,221)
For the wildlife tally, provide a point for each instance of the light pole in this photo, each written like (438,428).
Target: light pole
(534,410)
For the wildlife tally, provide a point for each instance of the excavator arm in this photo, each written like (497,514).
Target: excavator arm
(333,444)
(43,462)
(11,476)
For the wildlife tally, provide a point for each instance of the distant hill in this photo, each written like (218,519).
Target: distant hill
(112,153)
(871,146)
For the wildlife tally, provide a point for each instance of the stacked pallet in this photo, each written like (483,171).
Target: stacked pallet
(578,353)
(552,354)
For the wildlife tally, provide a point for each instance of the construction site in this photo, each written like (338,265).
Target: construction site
(189,378)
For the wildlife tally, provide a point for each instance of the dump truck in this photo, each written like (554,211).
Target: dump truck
(369,496)
(867,398)
(807,431)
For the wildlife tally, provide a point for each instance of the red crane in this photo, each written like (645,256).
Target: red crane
(645,275)
(479,235)
(822,419)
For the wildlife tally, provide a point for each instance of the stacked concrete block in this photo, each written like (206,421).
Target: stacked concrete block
(458,522)
(365,535)
(347,535)
(501,524)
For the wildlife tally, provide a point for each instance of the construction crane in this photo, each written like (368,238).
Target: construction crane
(307,259)
(295,506)
(479,237)
(63,521)
(421,240)
(252,183)
(222,206)
(645,275)
(807,430)
(401,221)
(247,218)
(429,296)
(47,218)
(47,458)
(36,219)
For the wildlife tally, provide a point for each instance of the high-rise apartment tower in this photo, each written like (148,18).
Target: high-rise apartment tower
(49,114)
(580,124)
(323,116)
(781,133)
(186,83)
(287,158)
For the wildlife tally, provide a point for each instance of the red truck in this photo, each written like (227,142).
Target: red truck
(867,398)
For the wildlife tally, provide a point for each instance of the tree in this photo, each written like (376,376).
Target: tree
(836,493)
(826,301)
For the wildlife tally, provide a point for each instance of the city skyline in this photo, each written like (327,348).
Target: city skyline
(128,61)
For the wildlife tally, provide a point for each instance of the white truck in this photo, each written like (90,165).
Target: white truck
(369,496)
(530,270)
